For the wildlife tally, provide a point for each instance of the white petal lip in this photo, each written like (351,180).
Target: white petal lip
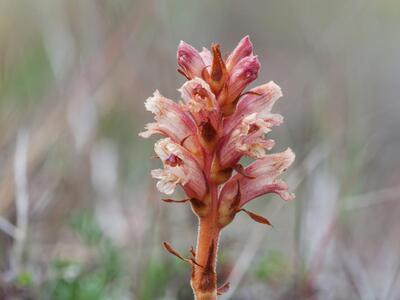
(264,173)
(168,179)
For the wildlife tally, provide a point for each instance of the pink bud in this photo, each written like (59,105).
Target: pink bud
(243,49)
(245,71)
(189,59)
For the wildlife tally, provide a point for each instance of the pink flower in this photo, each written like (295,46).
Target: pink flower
(200,101)
(190,60)
(257,100)
(260,178)
(180,167)
(242,50)
(206,134)
(243,73)
(171,121)
(247,138)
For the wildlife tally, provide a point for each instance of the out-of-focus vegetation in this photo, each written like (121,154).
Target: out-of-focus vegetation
(79,215)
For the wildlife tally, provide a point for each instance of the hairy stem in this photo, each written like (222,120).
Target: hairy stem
(204,277)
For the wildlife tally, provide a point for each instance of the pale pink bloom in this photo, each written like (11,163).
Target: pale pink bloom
(180,167)
(200,101)
(258,100)
(260,178)
(246,139)
(171,121)
(197,126)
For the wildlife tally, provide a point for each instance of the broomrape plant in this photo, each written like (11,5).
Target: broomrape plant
(206,135)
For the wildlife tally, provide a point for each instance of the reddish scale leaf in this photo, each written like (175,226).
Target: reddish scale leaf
(171,250)
(257,218)
(167,200)
(192,252)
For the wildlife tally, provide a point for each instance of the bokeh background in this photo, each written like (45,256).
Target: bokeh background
(79,214)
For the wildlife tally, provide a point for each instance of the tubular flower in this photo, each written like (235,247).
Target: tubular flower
(180,167)
(206,134)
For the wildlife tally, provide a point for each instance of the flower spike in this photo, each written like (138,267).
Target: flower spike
(216,123)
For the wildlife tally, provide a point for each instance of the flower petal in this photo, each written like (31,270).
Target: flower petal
(190,60)
(244,72)
(258,100)
(200,102)
(180,167)
(243,49)
(168,180)
(264,175)
(246,139)
(198,96)
(206,56)
(171,120)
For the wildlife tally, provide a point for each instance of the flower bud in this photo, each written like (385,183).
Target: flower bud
(244,72)
(243,49)
(189,59)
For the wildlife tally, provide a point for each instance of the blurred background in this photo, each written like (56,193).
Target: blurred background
(79,214)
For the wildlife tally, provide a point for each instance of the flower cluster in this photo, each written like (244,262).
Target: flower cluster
(215,124)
